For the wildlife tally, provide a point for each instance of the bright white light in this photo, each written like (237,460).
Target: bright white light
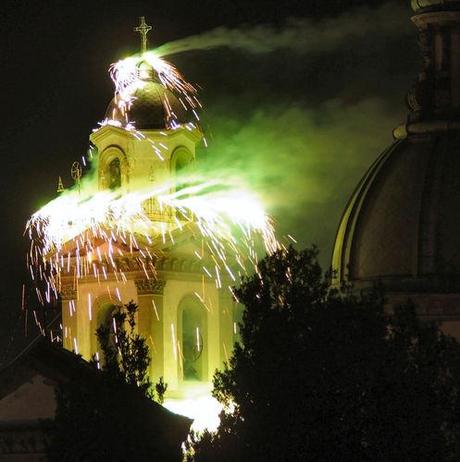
(127,80)
(229,218)
(204,411)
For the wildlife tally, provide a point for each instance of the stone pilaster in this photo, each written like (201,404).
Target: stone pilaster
(226,325)
(69,315)
(150,321)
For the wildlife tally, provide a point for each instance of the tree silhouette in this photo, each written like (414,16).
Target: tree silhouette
(324,375)
(107,415)
(125,354)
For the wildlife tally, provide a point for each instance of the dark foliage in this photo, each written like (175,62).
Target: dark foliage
(323,375)
(107,415)
(104,420)
(125,354)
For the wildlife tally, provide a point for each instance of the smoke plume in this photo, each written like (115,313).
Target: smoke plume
(300,130)
(299,35)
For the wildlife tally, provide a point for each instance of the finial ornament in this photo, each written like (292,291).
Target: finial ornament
(60,186)
(143,28)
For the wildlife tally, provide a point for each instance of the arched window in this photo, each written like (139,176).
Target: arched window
(193,340)
(180,160)
(114,174)
(103,317)
(113,168)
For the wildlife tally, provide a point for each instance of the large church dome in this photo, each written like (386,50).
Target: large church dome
(153,107)
(401,226)
(402,223)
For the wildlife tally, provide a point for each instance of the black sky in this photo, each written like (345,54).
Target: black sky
(54,87)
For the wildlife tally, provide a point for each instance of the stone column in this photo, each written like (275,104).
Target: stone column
(69,316)
(226,325)
(150,322)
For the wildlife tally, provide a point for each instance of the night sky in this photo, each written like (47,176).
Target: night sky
(302,109)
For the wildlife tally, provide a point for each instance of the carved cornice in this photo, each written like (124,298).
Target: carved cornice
(149,286)
(179,264)
(128,263)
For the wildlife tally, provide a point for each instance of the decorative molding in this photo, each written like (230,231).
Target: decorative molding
(68,292)
(179,264)
(149,286)
(106,299)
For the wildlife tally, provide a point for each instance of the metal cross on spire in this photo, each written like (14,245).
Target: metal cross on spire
(143,28)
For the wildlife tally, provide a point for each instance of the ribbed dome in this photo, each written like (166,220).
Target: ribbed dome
(149,108)
(402,223)
(435,5)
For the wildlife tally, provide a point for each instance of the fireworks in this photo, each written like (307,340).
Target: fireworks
(67,233)
(132,74)
(91,235)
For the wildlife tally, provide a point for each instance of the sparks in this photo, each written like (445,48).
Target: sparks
(228,218)
(126,75)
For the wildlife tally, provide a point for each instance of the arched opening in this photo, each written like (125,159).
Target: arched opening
(193,340)
(180,160)
(103,317)
(113,168)
(114,174)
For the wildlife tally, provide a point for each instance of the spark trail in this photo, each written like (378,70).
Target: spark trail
(126,74)
(85,233)
(88,236)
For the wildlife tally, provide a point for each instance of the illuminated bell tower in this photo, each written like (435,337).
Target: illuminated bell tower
(187,320)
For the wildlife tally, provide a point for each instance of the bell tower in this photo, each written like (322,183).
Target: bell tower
(187,319)
(147,158)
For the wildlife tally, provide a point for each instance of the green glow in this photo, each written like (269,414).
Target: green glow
(229,219)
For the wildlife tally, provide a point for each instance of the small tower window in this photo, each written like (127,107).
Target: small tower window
(181,160)
(181,163)
(103,318)
(114,174)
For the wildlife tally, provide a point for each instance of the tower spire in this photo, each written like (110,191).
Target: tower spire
(143,28)
(60,186)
